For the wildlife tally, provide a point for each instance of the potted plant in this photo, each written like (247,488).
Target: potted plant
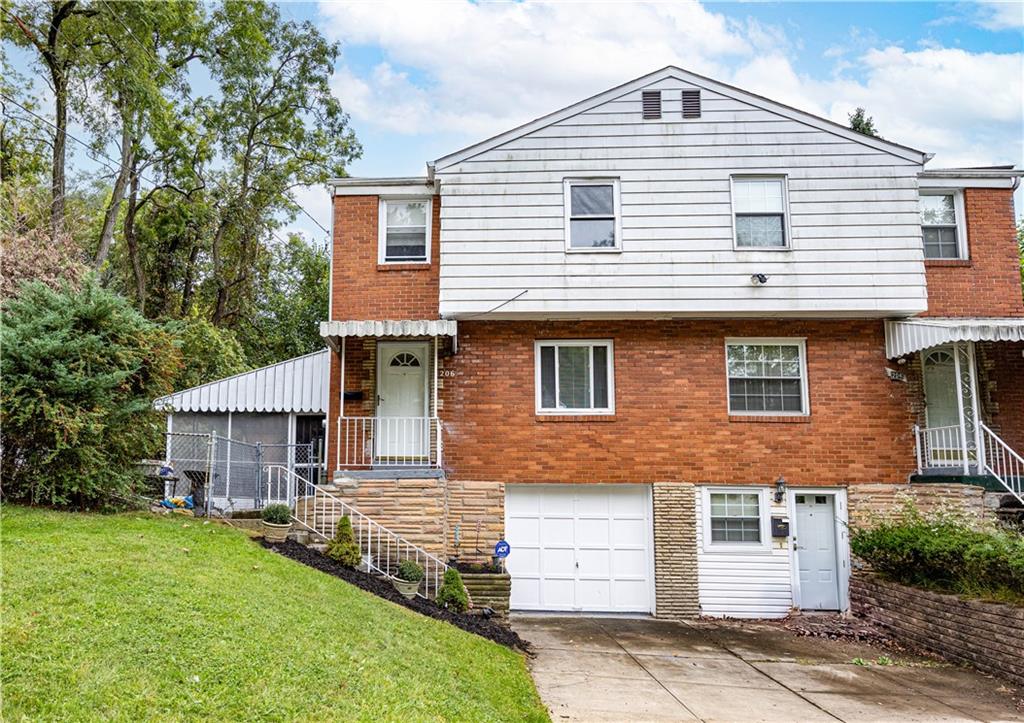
(407,578)
(276,522)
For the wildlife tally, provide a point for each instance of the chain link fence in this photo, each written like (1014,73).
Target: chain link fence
(226,475)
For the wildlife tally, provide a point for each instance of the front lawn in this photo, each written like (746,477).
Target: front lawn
(138,617)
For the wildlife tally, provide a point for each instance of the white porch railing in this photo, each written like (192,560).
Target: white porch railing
(319,511)
(1002,462)
(947,448)
(388,442)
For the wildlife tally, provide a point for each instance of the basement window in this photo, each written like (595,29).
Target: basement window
(575,377)
(735,519)
(404,230)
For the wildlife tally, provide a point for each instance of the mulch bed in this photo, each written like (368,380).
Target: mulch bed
(475,624)
(837,627)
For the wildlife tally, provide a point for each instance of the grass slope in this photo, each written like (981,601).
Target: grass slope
(135,617)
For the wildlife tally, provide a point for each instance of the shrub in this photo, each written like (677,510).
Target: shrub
(343,547)
(453,593)
(277,514)
(409,571)
(80,369)
(945,553)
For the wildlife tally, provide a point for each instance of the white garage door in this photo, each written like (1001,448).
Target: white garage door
(580,547)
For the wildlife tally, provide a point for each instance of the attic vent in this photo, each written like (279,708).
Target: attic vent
(691,104)
(652,104)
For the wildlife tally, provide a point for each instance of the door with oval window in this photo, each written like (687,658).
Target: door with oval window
(402,426)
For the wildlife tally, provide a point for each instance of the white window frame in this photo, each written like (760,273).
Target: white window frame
(382,228)
(558,412)
(567,184)
(805,383)
(787,231)
(962,248)
(763,510)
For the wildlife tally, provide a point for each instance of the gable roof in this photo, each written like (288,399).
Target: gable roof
(671,71)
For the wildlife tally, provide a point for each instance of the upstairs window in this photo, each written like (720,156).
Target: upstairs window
(759,209)
(766,376)
(574,377)
(592,214)
(404,230)
(941,225)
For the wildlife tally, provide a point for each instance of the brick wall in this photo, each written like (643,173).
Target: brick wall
(988,284)
(675,551)
(671,422)
(988,636)
(1001,366)
(363,289)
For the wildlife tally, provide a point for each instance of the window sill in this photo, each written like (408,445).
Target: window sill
(770,419)
(577,418)
(959,263)
(411,266)
(593,251)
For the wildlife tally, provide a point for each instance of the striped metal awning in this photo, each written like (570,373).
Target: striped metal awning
(333,331)
(910,335)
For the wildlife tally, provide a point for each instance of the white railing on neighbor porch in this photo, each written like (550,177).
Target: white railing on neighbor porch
(1002,462)
(319,511)
(949,448)
(388,442)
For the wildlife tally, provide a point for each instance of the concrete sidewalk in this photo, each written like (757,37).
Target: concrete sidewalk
(629,669)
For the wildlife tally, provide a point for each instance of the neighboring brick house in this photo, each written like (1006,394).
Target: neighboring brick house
(656,341)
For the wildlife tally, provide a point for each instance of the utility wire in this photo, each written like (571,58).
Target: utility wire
(163,70)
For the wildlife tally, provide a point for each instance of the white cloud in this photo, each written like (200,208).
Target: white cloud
(999,14)
(476,69)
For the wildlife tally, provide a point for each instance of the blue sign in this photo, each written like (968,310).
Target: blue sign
(502,549)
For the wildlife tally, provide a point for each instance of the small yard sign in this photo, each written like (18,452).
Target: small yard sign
(502,549)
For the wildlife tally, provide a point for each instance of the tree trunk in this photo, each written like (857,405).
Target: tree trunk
(120,184)
(132,241)
(57,179)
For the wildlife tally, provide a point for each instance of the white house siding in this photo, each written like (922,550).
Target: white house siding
(856,237)
(753,584)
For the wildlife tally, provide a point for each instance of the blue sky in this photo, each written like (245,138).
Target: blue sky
(423,79)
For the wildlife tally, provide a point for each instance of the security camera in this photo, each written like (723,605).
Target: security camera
(758,279)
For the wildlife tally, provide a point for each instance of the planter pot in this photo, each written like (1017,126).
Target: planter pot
(408,589)
(275,533)
(366,563)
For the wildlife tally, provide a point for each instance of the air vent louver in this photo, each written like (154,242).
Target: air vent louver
(651,104)
(691,104)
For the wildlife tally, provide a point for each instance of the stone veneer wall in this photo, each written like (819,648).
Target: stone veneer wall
(876,501)
(675,550)
(989,636)
(427,511)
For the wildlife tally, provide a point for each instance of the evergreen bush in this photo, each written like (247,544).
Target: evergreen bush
(277,514)
(452,594)
(409,571)
(946,553)
(80,370)
(343,546)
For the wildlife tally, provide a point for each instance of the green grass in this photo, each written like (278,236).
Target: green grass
(130,617)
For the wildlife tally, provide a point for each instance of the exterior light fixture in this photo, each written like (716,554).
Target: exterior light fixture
(758,279)
(780,489)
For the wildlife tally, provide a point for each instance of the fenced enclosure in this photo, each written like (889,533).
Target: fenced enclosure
(226,475)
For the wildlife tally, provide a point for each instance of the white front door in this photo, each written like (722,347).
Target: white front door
(403,430)
(817,559)
(579,547)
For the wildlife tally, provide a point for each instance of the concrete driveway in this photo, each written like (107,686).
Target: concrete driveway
(629,669)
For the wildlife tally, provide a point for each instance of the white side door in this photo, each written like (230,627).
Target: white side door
(579,547)
(402,426)
(816,553)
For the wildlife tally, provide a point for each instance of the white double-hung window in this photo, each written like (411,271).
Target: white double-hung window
(760,218)
(404,230)
(735,517)
(767,376)
(592,214)
(942,225)
(575,377)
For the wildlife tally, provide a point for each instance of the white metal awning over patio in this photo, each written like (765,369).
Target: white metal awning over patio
(333,331)
(910,335)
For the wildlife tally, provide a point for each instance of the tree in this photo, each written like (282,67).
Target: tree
(290,304)
(80,371)
(209,353)
(863,123)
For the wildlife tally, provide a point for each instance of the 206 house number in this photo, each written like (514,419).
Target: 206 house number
(447,373)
